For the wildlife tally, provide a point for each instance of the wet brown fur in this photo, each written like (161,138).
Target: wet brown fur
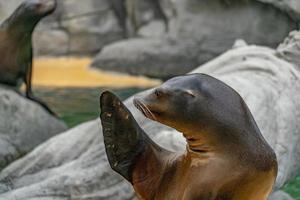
(226,156)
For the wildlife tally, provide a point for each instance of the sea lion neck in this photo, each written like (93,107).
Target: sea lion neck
(199,142)
(224,140)
(19,25)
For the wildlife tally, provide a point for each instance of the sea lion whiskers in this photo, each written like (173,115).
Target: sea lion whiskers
(144,109)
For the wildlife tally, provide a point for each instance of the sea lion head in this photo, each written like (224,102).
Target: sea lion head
(25,18)
(195,103)
(38,8)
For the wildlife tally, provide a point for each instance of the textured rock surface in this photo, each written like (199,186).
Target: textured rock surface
(23,126)
(211,26)
(280,196)
(73,164)
(290,49)
(84,27)
(292,7)
(7,7)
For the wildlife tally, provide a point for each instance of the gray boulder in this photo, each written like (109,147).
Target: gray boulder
(73,165)
(23,126)
(151,57)
(91,24)
(217,24)
(211,26)
(291,7)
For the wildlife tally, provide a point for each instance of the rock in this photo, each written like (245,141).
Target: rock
(291,7)
(46,42)
(217,24)
(79,171)
(290,49)
(148,12)
(91,25)
(23,126)
(150,57)
(280,195)
(73,165)
(154,29)
(7,7)
(210,26)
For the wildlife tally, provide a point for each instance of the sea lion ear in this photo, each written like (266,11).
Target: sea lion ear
(190,93)
(123,138)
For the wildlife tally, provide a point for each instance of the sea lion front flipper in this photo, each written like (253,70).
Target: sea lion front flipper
(30,96)
(124,139)
(28,82)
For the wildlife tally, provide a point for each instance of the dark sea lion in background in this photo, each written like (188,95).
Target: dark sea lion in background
(226,156)
(16,44)
(119,8)
(127,9)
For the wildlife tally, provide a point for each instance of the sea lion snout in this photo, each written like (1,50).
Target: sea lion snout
(172,102)
(41,7)
(148,104)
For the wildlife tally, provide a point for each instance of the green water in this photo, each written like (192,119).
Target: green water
(293,188)
(77,105)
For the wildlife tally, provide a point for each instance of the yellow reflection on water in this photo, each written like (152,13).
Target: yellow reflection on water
(74,72)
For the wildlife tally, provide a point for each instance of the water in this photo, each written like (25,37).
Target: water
(293,188)
(76,105)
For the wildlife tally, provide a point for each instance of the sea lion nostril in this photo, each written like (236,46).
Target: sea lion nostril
(159,93)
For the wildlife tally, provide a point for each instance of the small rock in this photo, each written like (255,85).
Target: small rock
(280,195)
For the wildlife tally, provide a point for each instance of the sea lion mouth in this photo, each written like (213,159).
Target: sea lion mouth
(47,6)
(144,109)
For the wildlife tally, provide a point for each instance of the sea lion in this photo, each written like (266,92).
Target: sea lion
(16,44)
(226,156)
(127,9)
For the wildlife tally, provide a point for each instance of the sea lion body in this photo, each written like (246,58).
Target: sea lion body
(12,72)
(190,177)
(16,44)
(226,157)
